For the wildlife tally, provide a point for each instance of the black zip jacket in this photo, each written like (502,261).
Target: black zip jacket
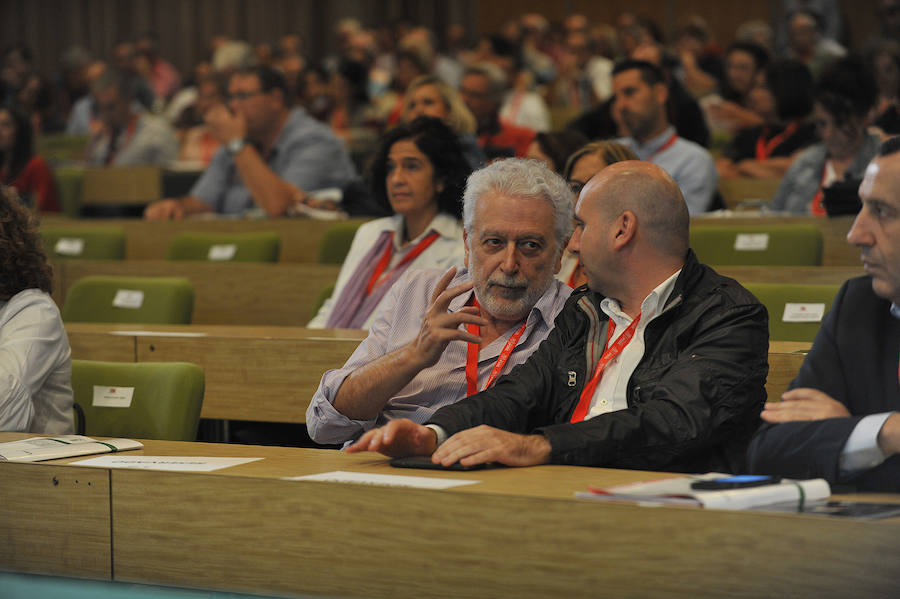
(693,400)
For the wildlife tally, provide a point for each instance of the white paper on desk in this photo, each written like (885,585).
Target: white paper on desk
(156,334)
(170,463)
(390,480)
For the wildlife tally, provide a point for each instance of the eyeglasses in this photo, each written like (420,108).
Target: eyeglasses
(241,96)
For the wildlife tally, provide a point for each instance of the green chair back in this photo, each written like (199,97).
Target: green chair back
(69,181)
(143,400)
(95,243)
(795,311)
(263,246)
(146,300)
(336,243)
(775,245)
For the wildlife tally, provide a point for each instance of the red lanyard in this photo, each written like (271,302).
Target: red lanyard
(472,358)
(665,146)
(389,250)
(764,149)
(576,274)
(609,353)
(817,207)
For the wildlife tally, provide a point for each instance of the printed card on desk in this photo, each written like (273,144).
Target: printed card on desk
(38,449)
(721,493)
(169,463)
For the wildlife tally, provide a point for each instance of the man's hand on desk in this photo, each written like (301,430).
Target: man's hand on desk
(398,438)
(167,209)
(804,404)
(484,444)
(889,435)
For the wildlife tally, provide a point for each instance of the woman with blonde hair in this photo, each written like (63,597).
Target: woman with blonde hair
(581,166)
(430,96)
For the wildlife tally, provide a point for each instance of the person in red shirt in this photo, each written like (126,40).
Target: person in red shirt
(20,167)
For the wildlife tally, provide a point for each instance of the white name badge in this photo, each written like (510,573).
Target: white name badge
(69,246)
(751,242)
(222,252)
(113,397)
(803,312)
(128,298)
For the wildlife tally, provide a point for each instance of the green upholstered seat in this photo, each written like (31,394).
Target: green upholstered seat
(95,243)
(261,246)
(775,245)
(336,243)
(165,399)
(801,320)
(147,300)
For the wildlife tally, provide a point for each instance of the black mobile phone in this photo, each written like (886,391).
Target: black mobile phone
(424,461)
(741,481)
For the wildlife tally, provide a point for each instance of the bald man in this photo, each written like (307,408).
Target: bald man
(658,363)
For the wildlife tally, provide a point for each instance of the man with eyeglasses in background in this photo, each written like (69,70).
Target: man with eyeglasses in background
(271,154)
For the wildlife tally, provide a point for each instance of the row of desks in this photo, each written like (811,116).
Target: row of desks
(285,293)
(516,533)
(301,238)
(271,373)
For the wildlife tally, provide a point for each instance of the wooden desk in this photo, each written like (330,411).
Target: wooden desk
(835,252)
(238,293)
(54,519)
(252,373)
(517,533)
(149,240)
(785,359)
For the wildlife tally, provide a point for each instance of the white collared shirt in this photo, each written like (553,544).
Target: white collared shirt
(611,392)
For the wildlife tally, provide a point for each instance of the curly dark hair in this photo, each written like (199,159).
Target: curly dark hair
(442,148)
(23,263)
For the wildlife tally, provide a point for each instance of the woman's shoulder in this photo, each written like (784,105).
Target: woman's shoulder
(27,299)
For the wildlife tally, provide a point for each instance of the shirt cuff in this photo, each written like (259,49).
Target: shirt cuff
(440,432)
(861,451)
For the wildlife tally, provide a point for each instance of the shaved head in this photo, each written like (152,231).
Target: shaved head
(651,194)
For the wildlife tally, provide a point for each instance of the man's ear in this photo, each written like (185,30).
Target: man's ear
(661,92)
(625,229)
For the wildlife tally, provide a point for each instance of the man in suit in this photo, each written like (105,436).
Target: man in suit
(839,419)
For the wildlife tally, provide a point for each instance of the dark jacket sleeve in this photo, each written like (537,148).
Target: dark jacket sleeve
(522,399)
(688,405)
(809,449)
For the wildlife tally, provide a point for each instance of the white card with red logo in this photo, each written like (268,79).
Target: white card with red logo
(803,312)
(112,397)
(751,242)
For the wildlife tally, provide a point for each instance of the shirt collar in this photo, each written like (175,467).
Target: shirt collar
(651,307)
(446,226)
(655,143)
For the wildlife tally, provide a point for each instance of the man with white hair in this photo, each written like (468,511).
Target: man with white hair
(443,336)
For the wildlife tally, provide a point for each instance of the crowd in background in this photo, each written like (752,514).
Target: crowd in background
(535,88)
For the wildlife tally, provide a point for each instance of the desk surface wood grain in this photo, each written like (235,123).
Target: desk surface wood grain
(517,532)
